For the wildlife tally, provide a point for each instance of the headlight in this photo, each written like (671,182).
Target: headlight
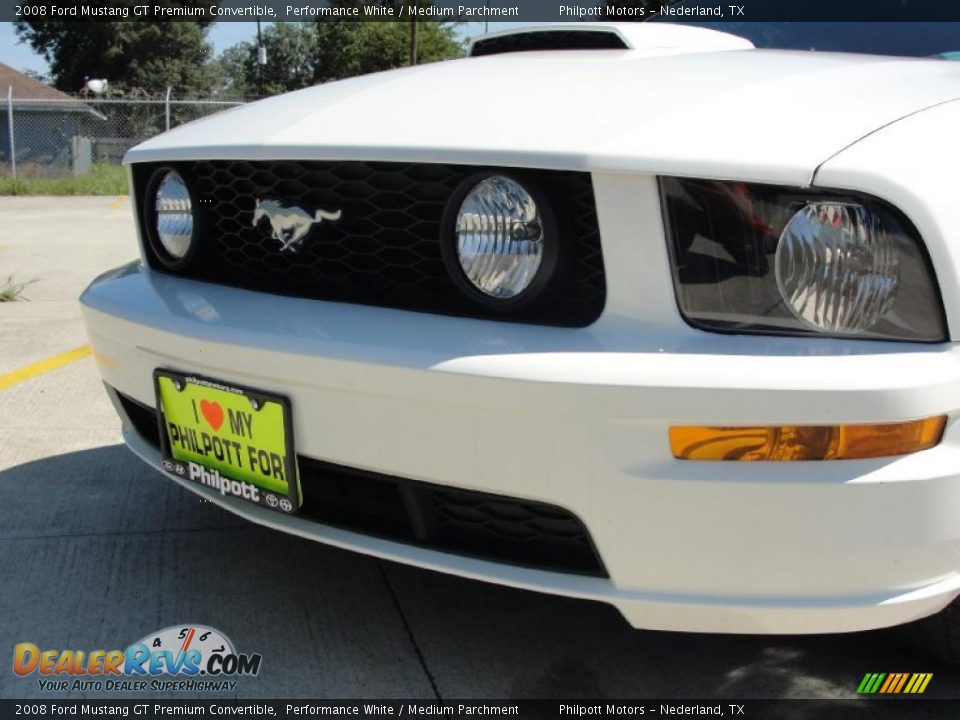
(501,243)
(172,217)
(766,259)
(837,267)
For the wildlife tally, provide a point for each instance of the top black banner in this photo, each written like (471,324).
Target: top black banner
(492,11)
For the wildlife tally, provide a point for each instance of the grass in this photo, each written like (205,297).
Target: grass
(101,180)
(11,290)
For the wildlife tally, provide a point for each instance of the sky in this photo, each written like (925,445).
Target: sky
(222,35)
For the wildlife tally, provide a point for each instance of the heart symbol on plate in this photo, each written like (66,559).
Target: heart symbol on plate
(212,412)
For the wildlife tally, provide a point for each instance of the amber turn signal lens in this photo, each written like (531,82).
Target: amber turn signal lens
(806,442)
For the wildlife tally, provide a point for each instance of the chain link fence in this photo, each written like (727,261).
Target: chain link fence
(45,137)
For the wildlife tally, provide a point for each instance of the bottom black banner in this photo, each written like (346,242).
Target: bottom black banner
(912,708)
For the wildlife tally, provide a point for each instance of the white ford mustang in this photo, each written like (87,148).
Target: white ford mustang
(639,314)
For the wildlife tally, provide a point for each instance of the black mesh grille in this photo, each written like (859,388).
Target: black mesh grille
(492,527)
(548,40)
(143,418)
(548,535)
(385,248)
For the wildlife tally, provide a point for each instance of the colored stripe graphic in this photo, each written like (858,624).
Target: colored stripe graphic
(892,679)
(899,685)
(871,683)
(918,683)
(894,683)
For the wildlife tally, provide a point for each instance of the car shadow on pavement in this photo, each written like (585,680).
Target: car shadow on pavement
(101,550)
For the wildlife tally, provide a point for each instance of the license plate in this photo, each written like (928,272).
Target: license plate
(234,440)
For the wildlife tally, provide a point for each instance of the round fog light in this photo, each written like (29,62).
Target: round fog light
(837,267)
(173,218)
(500,238)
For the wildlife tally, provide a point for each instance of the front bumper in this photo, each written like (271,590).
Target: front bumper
(578,419)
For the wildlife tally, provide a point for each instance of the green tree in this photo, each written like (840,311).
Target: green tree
(345,49)
(290,50)
(144,56)
(376,46)
(303,54)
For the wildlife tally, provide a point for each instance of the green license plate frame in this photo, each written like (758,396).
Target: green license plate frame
(226,437)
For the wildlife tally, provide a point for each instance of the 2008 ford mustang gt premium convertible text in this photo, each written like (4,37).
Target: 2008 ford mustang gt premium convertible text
(640,314)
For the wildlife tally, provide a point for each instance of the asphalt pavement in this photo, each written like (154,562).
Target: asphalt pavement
(99,551)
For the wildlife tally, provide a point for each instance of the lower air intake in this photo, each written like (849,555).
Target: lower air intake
(464,522)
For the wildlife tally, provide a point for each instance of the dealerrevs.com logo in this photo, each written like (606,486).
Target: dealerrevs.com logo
(177,658)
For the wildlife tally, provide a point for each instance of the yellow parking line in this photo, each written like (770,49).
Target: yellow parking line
(44,366)
(118,202)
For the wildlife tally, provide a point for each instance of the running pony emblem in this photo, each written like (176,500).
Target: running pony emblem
(290,224)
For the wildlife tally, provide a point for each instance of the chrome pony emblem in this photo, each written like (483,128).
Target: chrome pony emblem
(290,224)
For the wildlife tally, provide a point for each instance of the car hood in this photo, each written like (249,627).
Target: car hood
(761,115)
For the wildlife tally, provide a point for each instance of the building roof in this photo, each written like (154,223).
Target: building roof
(29,92)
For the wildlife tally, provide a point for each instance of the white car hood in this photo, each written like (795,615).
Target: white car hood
(760,115)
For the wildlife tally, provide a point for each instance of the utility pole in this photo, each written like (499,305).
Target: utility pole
(261,60)
(413,40)
(13,147)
